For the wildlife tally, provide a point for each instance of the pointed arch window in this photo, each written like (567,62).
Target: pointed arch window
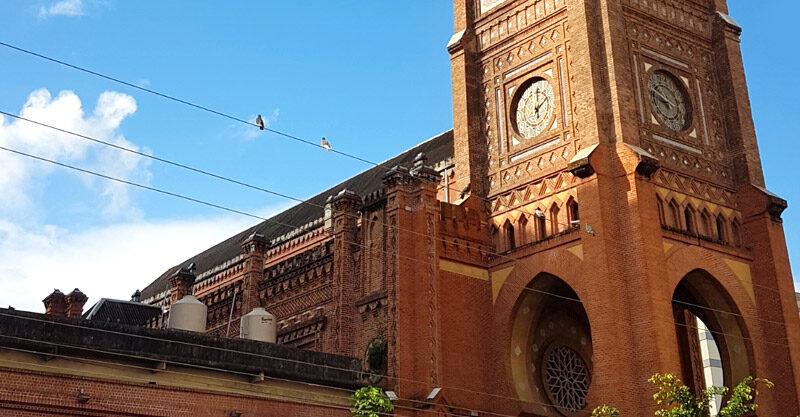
(721,232)
(523,230)
(674,215)
(541,224)
(573,213)
(706,224)
(511,242)
(688,217)
(660,205)
(554,224)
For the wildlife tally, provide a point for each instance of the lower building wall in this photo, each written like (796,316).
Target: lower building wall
(32,386)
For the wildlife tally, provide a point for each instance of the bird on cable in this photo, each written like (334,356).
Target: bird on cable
(325,145)
(260,122)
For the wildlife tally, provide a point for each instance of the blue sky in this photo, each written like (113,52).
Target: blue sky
(372,77)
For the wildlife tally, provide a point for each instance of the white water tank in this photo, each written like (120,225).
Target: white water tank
(259,325)
(188,313)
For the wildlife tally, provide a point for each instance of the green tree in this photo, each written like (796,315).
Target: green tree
(605,411)
(677,400)
(370,402)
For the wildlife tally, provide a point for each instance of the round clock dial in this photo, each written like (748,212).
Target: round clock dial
(669,101)
(535,108)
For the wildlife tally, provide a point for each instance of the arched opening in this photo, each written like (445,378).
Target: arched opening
(573,213)
(551,348)
(660,205)
(554,223)
(722,235)
(707,319)
(674,218)
(511,242)
(707,224)
(540,223)
(688,219)
(523,230)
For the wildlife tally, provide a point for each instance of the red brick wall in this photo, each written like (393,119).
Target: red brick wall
(34,394)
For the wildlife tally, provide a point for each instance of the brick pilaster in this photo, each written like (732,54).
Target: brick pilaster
(413,213)
(254,248)
(344,215)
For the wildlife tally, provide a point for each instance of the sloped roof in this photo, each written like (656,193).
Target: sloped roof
(437,149)
(123,312)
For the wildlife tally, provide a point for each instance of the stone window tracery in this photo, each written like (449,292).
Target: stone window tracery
(566,378)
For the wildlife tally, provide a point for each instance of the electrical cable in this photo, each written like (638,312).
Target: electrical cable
(229,117)
(219,113)
(265,190)
(207,109)
(210,110)
(524,288)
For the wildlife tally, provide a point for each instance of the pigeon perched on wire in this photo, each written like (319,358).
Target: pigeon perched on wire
(325,145)
(260,122)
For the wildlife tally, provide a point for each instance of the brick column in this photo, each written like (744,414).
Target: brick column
(776,304)
(739,127)
(254,248)
(413,222)
(468,141)
(344,207)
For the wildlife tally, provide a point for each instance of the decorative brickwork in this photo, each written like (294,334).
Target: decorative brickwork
(602,170)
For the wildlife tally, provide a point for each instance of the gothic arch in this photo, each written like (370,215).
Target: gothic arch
(555,220)
(722,284)
(550,347)
(522,236)
(700,295)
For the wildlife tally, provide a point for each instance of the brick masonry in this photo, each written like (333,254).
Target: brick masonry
(594,235)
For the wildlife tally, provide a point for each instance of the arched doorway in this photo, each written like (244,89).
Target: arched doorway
(551,349)
(713,341)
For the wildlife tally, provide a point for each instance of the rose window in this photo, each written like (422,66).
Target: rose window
(566,378)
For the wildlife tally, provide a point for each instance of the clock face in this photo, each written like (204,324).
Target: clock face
(535,109)
(669,101)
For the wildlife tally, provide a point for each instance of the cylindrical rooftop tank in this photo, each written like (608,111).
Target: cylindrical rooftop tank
(188,313)
(259,325)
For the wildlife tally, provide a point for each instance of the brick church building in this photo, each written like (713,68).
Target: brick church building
(600,196)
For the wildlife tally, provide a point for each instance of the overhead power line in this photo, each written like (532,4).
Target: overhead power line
(323,145)
(180,196)
(186,102)
(265,190)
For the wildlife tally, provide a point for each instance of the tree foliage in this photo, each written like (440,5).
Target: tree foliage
(677,400)
(370,402)
(605,411)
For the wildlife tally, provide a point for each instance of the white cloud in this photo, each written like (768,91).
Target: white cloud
(70,8)
(110,262)
(22,178)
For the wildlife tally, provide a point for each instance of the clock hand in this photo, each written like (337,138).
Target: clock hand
(540,103)
(664,98)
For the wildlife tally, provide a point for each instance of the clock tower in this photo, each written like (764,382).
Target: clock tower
(612,146)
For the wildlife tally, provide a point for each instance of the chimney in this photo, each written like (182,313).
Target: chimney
(137,296)
(75,301)
(55,304)
(180,282)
